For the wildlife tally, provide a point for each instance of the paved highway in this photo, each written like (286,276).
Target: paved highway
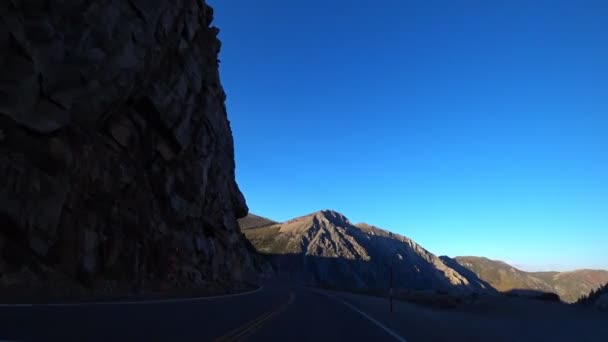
(275,312)
(280,312)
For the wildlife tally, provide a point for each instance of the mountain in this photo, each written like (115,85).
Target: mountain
(325,248)
(568,285)
(503,276)
(116,153)
(574,284)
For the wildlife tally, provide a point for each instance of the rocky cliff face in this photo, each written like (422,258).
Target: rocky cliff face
(116,155)
(324,248)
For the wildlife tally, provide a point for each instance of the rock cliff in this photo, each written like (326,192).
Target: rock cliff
(116,155)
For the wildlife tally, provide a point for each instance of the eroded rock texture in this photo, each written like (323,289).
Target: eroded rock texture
(116,155)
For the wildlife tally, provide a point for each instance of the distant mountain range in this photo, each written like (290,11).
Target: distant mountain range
(325,248)
(570,286)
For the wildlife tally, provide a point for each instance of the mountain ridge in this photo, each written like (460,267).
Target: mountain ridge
(325,247)
(569,285)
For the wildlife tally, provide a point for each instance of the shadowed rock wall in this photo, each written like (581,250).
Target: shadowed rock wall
(116,155)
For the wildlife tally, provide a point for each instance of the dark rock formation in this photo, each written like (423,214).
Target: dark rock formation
(533,294)
(116,155)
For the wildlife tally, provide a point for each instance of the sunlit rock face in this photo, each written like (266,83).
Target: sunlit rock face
(116,155)
(325,248)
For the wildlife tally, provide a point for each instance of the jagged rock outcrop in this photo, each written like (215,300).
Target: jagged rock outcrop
(116,155)
(325,248)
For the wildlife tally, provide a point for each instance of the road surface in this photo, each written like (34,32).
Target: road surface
(281,312)
(275,312)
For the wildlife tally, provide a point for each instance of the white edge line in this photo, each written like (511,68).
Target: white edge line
(371,319)
(157,301)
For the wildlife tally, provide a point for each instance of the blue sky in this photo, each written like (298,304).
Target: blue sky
(473,127)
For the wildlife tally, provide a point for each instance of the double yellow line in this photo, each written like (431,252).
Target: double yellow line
(248,328)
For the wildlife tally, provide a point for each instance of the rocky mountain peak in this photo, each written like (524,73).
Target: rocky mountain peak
(324,247)
(332,217)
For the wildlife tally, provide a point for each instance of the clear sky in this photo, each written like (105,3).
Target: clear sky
(473,127)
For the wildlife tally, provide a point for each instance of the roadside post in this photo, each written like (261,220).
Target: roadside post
(390,291)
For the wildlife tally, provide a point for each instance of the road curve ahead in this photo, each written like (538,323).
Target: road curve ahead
(276,312)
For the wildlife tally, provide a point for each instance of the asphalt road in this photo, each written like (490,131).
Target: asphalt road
(282,312)
(275,312)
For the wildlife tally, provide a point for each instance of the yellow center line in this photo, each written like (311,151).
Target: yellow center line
(251,326)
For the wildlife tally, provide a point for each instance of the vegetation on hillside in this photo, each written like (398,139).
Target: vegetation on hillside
(593,296)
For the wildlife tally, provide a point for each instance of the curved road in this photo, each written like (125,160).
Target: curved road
(282,312)
(275,312)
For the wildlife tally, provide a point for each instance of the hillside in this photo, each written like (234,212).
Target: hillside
(575,284)
(597,297)
(568,285)
(326,248)
(254,221)
(503,276)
